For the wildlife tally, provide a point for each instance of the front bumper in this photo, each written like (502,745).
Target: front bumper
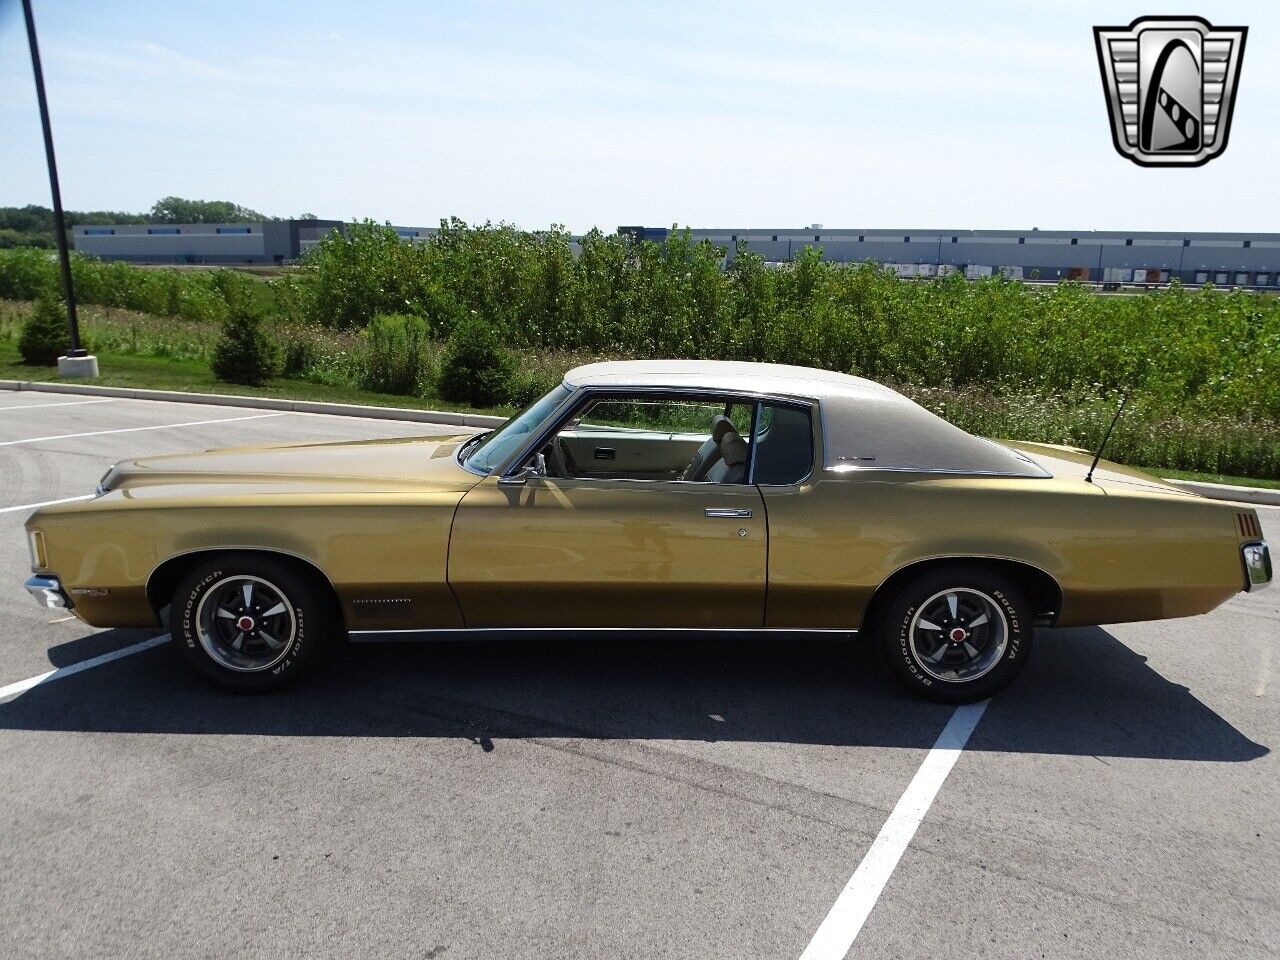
(48,592)
(1257,565)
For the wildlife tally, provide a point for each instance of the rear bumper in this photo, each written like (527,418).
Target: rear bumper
(48,592)
(1257,565)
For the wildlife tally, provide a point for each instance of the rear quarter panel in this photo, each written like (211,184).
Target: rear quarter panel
(1117,556)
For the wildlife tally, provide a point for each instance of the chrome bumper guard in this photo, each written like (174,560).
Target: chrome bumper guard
(48,592)
(1257,565)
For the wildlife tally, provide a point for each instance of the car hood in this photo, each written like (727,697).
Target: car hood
(1073,463)
(410,462)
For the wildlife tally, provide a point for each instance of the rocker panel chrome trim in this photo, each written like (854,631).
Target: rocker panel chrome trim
(481,633)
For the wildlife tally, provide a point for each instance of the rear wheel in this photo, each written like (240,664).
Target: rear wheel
(956,634)
(248,622)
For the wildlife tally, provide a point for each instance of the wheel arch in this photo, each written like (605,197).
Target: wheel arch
(1043,591)
(164,579)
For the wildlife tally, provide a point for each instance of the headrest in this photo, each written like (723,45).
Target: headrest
(733,449)
(720,426)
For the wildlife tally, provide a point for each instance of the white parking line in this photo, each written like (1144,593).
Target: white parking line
(22,686)
(67,403)
(841,927)
(47,503)
(163,426)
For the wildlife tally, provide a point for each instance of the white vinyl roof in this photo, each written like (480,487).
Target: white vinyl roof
(723,375)
(865,425)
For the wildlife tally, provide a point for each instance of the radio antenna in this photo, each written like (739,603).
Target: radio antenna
(1088,477)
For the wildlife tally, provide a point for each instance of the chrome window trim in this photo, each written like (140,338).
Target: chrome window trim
(561,415)
(948,472)
(462,461)
(506,467)
(691,483)
(811,407)
(751,439)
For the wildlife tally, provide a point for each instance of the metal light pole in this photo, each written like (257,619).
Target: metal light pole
(79,364)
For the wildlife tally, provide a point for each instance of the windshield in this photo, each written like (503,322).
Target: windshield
(498,445)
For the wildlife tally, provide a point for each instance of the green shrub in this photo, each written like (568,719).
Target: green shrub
(299,351)
(26,274)
(245,353)
(527,386)
(1208,352)
(475,367)
(193,294)
(397,354)
(45,335)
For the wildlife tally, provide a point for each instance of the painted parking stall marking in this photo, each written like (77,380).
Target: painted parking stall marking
(46,503)
(63,403)
(162,426)
(22,686)
(858,898)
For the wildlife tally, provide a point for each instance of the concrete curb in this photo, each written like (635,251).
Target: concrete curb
(262,403)
(1224,491)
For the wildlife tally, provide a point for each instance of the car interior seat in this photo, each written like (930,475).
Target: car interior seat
(732,465)
(709,453)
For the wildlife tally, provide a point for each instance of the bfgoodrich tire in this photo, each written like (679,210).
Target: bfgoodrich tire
(248,622)
(956,634)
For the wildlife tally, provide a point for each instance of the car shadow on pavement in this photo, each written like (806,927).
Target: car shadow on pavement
(1083,693)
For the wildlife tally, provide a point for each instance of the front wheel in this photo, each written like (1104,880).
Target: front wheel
(956,634)
(247,622)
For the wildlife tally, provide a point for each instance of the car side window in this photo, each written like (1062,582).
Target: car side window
(653,437)
(653,416)
(783,444)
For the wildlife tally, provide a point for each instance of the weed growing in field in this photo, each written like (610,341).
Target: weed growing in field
(996,357)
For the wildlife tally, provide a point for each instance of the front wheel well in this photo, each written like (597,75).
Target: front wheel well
(165,578)
(1042,591)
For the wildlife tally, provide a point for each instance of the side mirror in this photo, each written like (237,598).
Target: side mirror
(518,479)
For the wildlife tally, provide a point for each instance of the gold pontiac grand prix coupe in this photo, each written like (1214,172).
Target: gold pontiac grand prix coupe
(648,496)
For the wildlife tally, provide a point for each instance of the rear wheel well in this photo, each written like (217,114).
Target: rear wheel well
(165,578)
(1042,591)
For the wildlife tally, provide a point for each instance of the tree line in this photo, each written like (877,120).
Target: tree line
(32,225)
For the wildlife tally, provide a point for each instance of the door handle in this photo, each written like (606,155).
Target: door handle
(730,512)
(604,453)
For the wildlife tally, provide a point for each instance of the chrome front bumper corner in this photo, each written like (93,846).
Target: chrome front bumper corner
(48,592)
(1257,565)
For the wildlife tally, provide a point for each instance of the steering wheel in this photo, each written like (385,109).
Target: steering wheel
(557,459)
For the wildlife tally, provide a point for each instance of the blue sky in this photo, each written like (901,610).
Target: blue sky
(973,114)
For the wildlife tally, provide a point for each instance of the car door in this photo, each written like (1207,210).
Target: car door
(609,552)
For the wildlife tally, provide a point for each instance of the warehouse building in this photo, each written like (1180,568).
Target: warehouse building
(1116,256)
(268,242)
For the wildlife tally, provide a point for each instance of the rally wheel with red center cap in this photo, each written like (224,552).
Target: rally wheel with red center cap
(957,633)
(247,621)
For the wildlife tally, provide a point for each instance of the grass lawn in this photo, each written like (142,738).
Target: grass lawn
(1212,478)
(163,373)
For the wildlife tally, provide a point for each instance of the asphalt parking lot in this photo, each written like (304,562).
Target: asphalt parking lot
(560,798)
